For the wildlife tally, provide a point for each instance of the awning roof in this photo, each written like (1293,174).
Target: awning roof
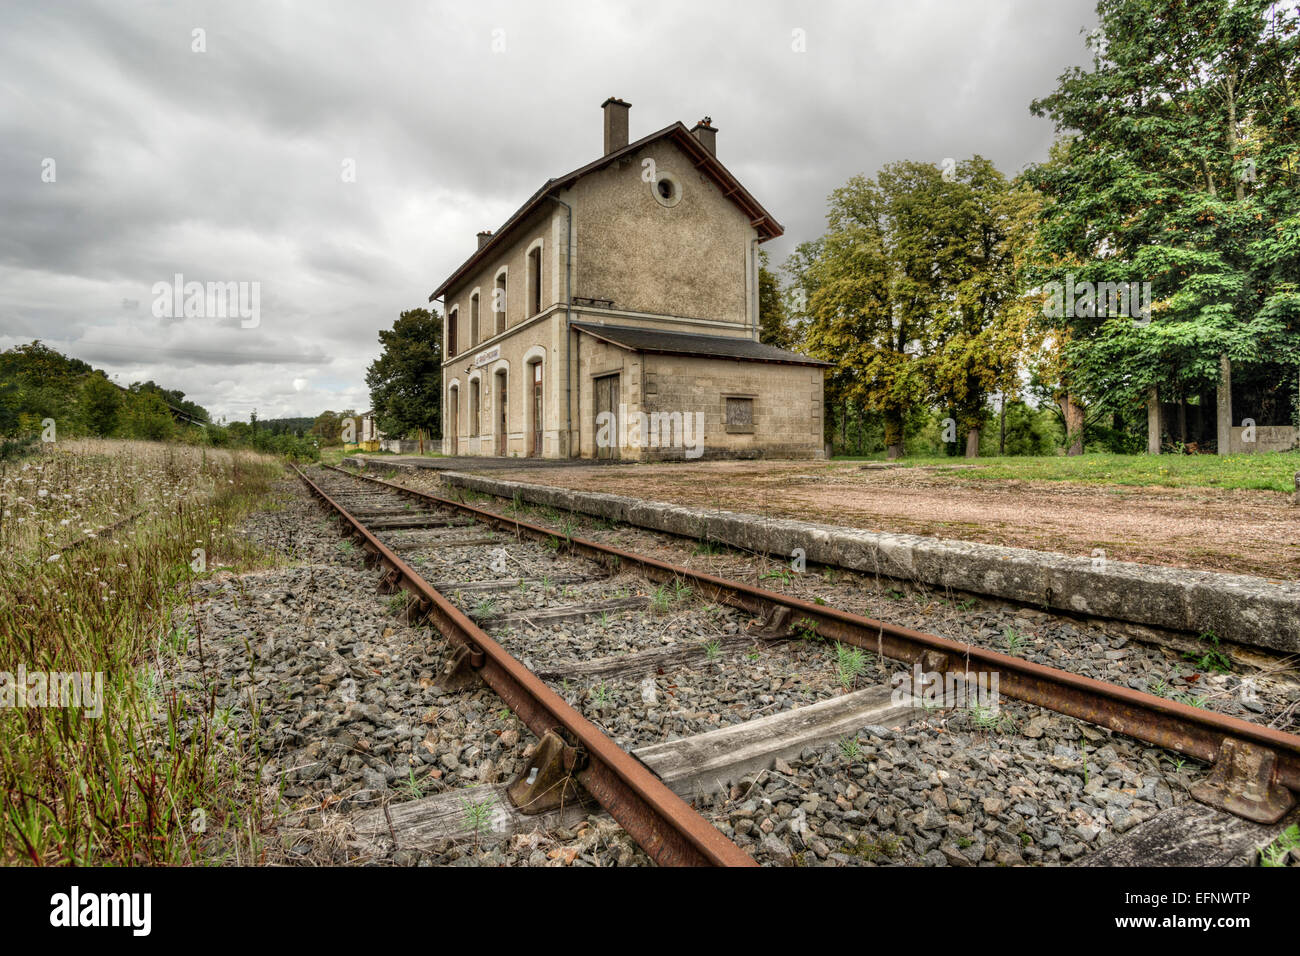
(690,343)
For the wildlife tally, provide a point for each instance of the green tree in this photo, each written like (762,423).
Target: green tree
(864,305)
(914,293)
(406,380)
(100,402)
(980,323)
(328,427)
(773,324)
(145,415)
(41,383)
(1179,166)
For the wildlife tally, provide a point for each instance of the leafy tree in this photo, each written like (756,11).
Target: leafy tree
(182,410)
(328,428)
(100,402)
(40,383)
(406,380)
(145,415)
(865,307)
(773,325)
(977,228)
(1180,166)
(914,294)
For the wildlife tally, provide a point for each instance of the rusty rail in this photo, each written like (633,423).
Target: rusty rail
(661,823)
(1188,730)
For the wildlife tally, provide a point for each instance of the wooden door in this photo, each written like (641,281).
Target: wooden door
(501,415)
(536,448)
(606,410)
(453,416)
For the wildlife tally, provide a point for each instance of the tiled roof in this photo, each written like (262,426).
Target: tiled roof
(690,343)
(768,228)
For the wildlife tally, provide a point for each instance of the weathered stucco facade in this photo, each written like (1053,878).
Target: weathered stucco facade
(654,237)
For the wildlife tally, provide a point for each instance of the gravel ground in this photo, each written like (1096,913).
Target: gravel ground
(684,701)
(1202,675)
(346,707)
(349,714)
(1032,788)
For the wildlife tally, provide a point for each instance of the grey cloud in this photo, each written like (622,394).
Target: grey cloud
(225,165)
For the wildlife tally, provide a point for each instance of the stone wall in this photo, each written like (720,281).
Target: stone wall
(1235,607)
(786,403)
(1267,438)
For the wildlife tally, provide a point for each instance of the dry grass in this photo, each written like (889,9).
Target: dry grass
(153,779)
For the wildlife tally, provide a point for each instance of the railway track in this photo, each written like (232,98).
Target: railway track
(1255,768)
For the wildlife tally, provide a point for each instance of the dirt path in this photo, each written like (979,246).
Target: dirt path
(1250,532)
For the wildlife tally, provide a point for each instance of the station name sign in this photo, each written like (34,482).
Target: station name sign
(483,358)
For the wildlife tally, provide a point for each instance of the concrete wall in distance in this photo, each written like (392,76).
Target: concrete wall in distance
(1267,438)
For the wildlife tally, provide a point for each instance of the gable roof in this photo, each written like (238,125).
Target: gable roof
(703,159)
(692,343)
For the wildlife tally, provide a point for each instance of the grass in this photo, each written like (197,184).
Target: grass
(485,608)
(707,547)
(990,719)
(411,787)
(882,847)
(1269,471)
(806,628)
(1275,854)
(478,816)
(126,787)
(1212,659)
(660,600)
(850,662)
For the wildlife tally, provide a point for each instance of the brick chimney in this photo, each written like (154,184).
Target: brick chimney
(484,238)
(707,134)
(615,123)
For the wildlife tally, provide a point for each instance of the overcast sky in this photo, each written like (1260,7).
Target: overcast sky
(342,155)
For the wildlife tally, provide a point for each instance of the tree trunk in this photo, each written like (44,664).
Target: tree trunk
(1223,406)
(1002,428)
(893,433)
(1153,420)
(973,443)
(1073,412)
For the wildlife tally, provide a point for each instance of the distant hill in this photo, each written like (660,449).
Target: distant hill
(48,396)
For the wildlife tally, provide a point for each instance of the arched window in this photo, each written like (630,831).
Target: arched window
(473,320)
(535,280)
(453,318)
(499,302)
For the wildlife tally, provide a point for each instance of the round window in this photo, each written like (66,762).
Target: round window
(667,190)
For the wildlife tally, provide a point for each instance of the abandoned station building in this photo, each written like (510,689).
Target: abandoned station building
(615,315)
